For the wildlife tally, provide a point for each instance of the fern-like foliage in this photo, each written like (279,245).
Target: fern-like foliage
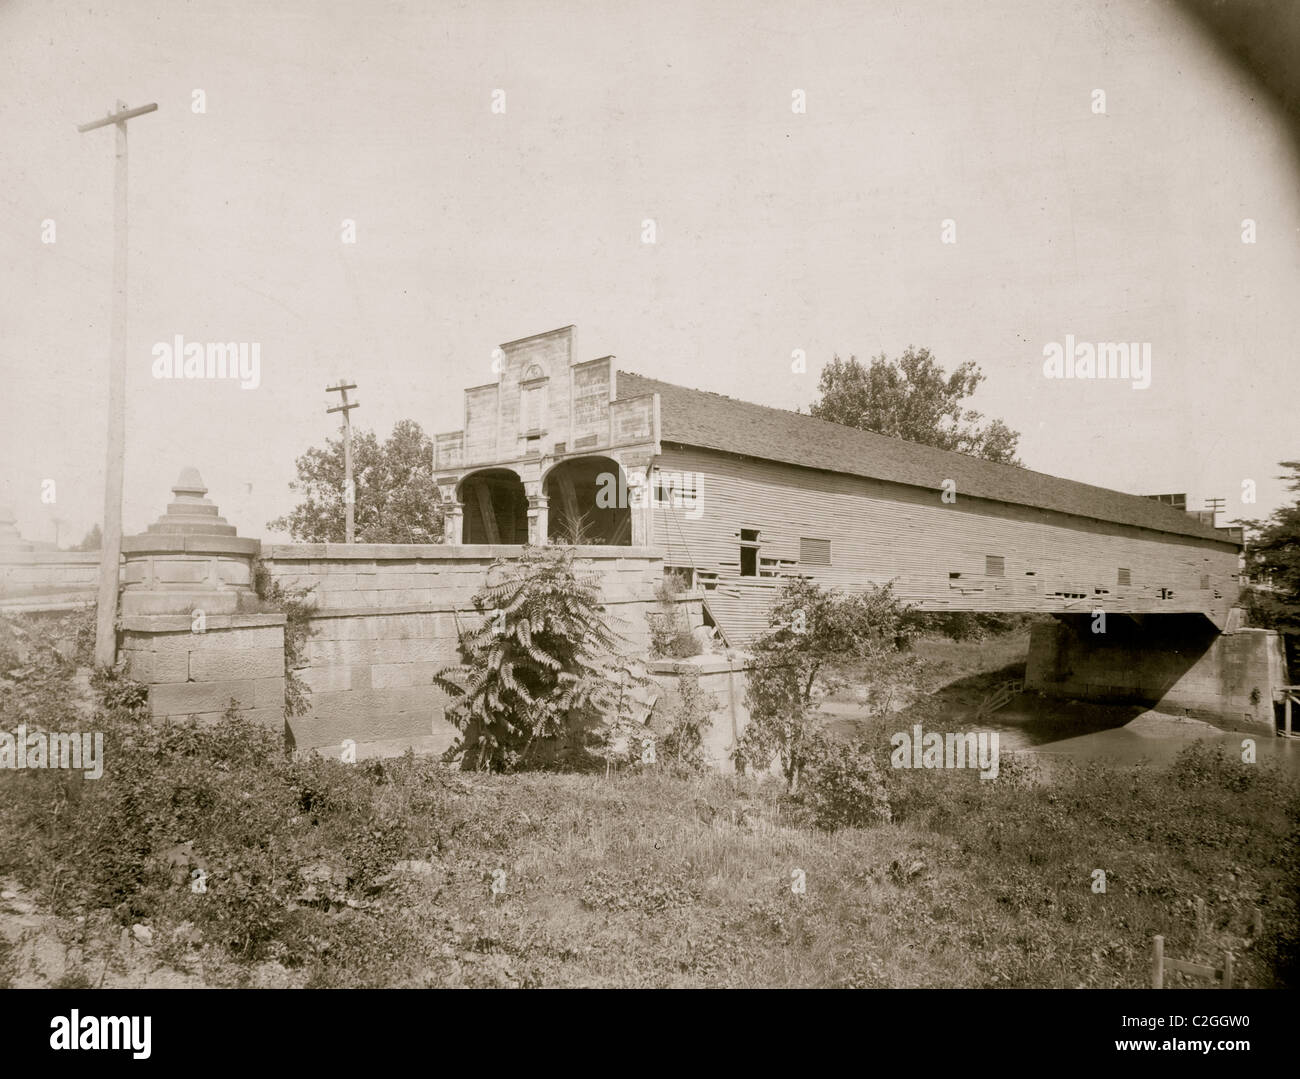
(542,662)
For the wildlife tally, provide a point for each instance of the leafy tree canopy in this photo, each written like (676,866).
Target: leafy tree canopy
(813,634)
(1273,566)
(397,500)
(913,398)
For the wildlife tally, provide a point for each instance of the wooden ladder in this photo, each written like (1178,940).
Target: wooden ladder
(998,698)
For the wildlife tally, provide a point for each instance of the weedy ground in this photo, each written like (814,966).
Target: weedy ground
(205,856)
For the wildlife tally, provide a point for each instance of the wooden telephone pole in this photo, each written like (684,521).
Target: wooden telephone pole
(349,489)
(106,618)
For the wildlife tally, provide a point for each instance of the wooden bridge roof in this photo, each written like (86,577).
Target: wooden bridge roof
(714,421)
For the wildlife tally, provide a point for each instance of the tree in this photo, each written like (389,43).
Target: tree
(1272,599)
(397,500)
(92,541)
(543,663)
(814,634)
(912,398)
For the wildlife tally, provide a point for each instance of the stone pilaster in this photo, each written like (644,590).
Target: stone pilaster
(454,522)
(538,519)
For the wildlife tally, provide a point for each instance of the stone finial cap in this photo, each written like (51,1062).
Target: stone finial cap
(189,482)
(191,514)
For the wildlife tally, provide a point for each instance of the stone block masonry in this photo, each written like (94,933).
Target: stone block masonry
(188,627)
(725,677)
(1176,663)
(387,619)
(239,657)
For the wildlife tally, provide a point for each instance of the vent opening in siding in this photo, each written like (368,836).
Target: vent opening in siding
(994,565)
(814,552)
(749,552)
(1125,577)
(1205,582)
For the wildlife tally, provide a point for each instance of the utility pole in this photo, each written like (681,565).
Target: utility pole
(106,618)
(349,488)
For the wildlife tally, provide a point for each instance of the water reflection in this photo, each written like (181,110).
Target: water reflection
(1082,732)
(1149,737)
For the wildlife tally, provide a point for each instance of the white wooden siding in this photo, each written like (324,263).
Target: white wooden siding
(882,531)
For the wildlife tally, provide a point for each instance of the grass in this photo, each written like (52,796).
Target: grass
(381,874)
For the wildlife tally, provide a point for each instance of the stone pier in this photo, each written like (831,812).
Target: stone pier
(191,628)
(1179,664)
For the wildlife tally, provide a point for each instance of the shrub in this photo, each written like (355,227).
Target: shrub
(682,743)
(119,694)
(1205,765)
(297,606)
(36,673)
(842,785)
(968,625)
(543,664)
(670,635)
(813,633)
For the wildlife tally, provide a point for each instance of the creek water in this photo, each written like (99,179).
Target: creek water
(1119,736)
(1152,738)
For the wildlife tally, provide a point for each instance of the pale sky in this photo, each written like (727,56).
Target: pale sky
(775,231)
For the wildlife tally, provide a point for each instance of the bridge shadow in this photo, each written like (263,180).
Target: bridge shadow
(959,704)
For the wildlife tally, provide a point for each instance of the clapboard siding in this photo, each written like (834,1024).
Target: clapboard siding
(882,531)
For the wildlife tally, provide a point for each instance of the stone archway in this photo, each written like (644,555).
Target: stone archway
(588,501)
(496,507)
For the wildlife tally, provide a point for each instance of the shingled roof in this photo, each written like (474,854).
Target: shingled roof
(713,421)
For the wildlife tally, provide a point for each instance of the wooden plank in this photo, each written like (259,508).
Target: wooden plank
(508,519)
(1191,968)
(117,117)
(488,514)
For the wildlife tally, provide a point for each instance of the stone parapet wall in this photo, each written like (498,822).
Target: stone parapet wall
(387,618)
(35,573)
